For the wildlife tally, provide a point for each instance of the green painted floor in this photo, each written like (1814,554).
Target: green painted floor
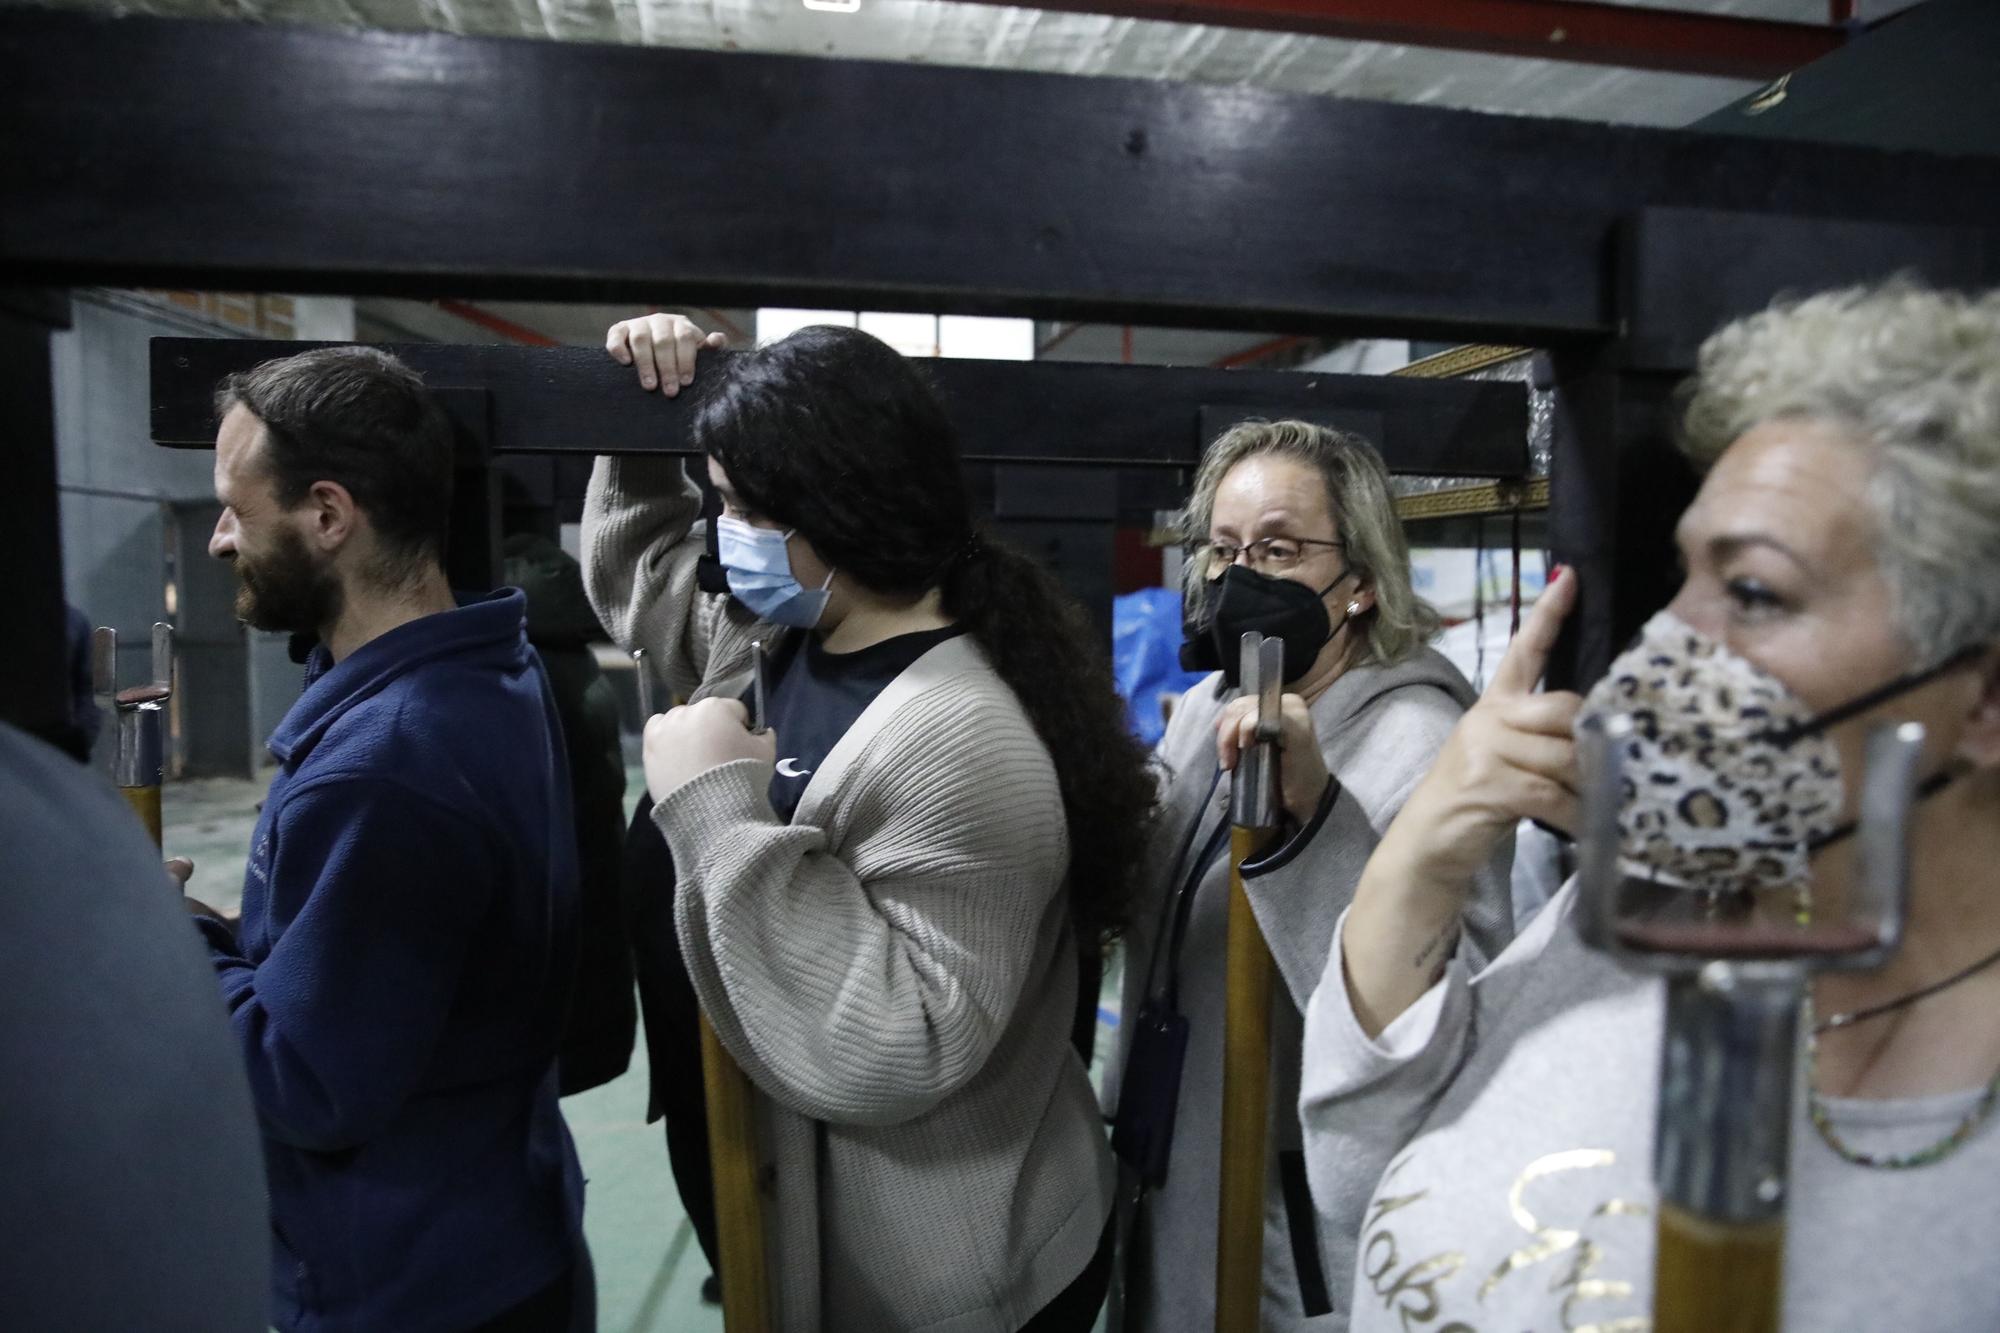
(649,1268)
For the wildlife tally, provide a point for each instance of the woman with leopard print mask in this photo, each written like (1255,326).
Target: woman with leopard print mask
(1487,1138)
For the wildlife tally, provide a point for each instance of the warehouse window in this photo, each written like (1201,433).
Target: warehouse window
(914,335)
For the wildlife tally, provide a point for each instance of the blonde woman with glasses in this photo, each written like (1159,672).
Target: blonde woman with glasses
(1293,532)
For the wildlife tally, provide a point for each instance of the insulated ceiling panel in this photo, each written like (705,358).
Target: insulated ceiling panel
(991,36)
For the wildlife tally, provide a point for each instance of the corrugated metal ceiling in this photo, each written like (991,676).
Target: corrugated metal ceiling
(946,33)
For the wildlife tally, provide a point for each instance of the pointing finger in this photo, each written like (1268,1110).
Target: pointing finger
(1528,655)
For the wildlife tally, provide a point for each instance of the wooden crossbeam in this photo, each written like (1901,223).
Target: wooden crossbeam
(264,158)
(575,400)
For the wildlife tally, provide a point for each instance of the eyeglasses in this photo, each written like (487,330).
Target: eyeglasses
(1271,555)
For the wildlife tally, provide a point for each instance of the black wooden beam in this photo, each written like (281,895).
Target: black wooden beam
(1683,273)
(574,400)
(34,674)
(242,156)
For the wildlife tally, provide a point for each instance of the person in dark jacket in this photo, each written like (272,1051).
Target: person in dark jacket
(604,1015)
(85,720)
(675,1093)
(398,982)
(134,1195)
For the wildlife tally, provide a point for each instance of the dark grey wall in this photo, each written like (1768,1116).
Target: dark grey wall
(136,518)
(117,488)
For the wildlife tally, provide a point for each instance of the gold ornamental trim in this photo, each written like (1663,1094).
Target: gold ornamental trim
(1456,361)
(1493,497)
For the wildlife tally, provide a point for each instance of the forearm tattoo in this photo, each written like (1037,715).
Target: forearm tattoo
(1437,951)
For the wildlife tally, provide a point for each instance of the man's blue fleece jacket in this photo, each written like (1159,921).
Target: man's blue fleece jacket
(399,980)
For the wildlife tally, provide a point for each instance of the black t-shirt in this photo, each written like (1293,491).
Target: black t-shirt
(813,696)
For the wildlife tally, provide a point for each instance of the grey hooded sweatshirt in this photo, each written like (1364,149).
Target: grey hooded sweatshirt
(1379,728)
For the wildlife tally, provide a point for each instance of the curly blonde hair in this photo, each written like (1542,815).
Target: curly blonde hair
(1912,374)
(1363,507)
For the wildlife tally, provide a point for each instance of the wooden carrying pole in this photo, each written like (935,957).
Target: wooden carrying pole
(1717,1277)
(1246,1052)
(739,1210)
(732,1141)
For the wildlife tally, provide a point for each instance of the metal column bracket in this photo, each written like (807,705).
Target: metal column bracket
(1735,985)
(136,757)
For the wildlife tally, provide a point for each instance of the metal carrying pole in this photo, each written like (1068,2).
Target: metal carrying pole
(1246,1050)
(1723,1137)
(732,1127)
(136,757)
(1735,990)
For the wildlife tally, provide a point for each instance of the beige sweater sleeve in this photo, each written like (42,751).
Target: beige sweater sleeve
(641,541)
(864,984)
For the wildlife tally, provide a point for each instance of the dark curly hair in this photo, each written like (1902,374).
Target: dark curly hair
(834,433)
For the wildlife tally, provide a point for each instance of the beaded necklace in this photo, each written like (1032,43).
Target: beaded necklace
(1937,1152)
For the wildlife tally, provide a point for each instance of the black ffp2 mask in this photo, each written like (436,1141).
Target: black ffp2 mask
(1243,601)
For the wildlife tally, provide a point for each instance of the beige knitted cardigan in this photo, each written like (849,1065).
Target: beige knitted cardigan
(893,969)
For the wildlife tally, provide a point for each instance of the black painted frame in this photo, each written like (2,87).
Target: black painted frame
(576,400)
(149,152)
(250,157)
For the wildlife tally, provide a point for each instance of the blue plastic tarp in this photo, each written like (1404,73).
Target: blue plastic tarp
(1145,656)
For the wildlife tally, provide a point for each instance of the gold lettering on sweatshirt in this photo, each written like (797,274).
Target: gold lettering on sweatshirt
(1410,1291)
(1577,1279)
(1413,1288)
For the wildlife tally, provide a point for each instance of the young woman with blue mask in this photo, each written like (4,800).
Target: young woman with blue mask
(880,900)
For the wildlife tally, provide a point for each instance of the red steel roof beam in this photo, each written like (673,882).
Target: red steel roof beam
(499,324)
(1582,31)
(1263,351)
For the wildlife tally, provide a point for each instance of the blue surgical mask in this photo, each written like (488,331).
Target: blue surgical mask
(760,574)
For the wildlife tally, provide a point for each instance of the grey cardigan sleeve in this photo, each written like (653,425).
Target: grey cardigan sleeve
(641,542)
(1300,890)
(866,992)
(1379,757)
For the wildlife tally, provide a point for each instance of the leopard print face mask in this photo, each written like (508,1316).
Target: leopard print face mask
(1729,778)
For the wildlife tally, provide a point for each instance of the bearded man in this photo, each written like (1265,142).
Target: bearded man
(398,980)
